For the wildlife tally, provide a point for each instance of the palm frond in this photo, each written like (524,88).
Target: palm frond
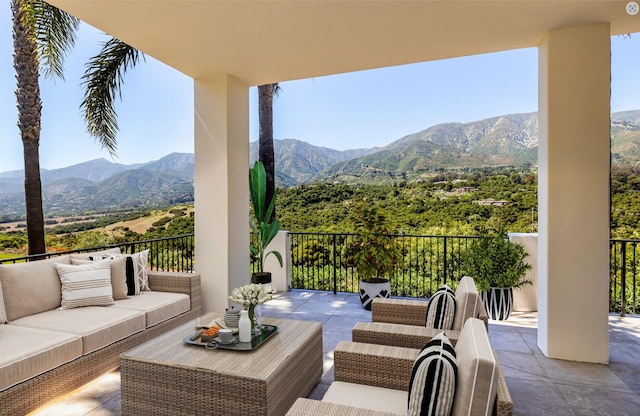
(54,32)
(102,82)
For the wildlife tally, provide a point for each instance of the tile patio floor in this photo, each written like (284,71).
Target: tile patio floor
(538,385)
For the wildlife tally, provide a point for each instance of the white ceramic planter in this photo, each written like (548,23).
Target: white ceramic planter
(371,290)
(498,301)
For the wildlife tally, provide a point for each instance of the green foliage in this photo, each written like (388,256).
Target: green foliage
(417,206)
(312,253)
(373,252)
(494,261)
(261,223)
(161,222)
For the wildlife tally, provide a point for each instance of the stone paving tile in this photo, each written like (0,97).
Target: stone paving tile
(518,365)
(509,341)
(595,401)
(624,352)
(628,373)
(537,398)
(582,374)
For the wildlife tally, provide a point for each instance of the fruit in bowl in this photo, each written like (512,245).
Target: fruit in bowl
(209,333)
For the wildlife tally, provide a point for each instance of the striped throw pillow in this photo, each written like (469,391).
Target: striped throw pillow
(86,284)
(433,379)
(441,309)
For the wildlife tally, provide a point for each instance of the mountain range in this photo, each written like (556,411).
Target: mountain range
(508,140)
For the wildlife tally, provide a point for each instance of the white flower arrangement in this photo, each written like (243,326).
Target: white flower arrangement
(251,294)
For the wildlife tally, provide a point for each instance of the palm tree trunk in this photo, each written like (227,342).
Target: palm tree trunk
(25,63)
(266,151)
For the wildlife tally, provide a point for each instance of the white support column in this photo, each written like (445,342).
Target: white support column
(573,193)
(221,187)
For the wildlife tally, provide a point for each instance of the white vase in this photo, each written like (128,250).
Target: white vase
(244,327)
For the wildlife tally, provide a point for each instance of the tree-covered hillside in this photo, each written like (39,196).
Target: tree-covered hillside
(448,203)
(453,204)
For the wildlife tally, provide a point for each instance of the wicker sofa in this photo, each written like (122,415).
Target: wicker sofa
(46,351)
(373,380)
(401,322)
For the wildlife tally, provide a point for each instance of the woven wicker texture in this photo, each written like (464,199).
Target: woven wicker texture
(390,367)
(407,336)
(29,395)
(168,377)
(374,365)
(399,311)
(307,407)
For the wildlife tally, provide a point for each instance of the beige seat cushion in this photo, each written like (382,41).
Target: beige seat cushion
(157,306)
(367,397)
(27,352)
(30,288)
(467,302)
(97,325)
(477,371)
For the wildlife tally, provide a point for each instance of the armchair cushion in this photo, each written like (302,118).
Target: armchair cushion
(433,379)
(467,302)
(367,397)
(441,309)
(477,371)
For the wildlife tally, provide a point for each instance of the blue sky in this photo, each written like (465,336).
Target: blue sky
(356,110)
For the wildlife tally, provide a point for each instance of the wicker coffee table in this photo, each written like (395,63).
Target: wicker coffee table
(165,376)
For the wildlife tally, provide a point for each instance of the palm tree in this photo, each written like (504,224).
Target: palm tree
(42,36)
(102,81)
(265,143)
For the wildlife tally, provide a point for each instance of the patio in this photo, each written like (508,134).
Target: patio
(538,385)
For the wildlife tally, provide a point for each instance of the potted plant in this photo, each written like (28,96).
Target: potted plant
(497,266)
(373,252)
(262,226)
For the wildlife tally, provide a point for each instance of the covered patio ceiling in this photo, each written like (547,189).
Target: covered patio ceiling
(262,42)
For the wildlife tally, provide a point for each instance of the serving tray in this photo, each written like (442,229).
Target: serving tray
(256,340)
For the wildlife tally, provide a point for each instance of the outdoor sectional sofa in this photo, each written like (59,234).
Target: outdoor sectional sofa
(46,351)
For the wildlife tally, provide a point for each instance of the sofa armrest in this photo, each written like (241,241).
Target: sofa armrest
(374,365)
(399,311)
(176,282)
(308,407)
(407,336)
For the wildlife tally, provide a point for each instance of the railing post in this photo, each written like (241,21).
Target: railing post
(445,260)
(623,281)
(335,274)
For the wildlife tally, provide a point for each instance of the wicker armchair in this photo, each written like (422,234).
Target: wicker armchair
(384,367)
(401,322)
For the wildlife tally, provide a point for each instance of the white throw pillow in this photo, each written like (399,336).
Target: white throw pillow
(118,275)
(140,265)
(136,271)
(86,284)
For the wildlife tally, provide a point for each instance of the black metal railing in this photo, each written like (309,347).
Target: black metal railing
(169,254)
(624,293)
(319,261)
